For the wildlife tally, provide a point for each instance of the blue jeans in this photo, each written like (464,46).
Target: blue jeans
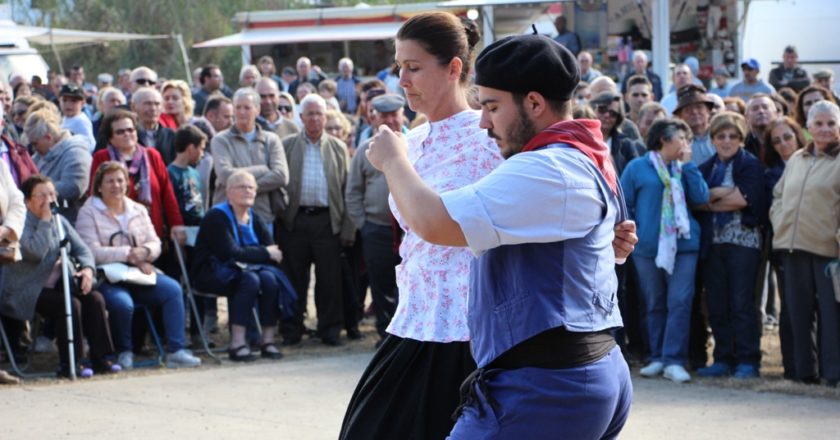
(667,306)
(167,294)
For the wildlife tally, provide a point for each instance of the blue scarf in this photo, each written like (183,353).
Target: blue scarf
(245,235)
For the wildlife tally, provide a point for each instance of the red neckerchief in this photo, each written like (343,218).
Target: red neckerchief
(583,134)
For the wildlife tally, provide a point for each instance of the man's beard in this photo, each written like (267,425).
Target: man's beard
(517,136)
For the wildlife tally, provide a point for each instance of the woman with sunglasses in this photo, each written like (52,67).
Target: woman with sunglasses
(119,230)
(286,107)
(148,181)
(609,108)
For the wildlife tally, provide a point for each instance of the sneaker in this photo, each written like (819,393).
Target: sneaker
(44,344)
(126,360)
(745,371)
(652,369)
(717,369)
(677,373)
(182,358)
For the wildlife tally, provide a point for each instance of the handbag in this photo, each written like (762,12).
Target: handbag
(7,252)
(123,273)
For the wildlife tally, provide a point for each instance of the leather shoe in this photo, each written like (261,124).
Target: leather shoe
(273,355)
(354,334)
(332,341)
(233,354)
(289,341)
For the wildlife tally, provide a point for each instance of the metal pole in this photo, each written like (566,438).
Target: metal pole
(180,39)
(661,41)
(489,26)
(65,278)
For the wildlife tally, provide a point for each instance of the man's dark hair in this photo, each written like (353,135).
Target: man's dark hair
(186,136)
(557,106)
(77,67)
(214,102)
(639,79)
(790,49)
(207,71)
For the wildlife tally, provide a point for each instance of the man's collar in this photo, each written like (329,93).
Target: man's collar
(153,129)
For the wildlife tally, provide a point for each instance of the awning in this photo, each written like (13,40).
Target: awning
(48,36)
(299,34)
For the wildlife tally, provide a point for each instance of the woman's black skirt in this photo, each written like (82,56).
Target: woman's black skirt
(409,391)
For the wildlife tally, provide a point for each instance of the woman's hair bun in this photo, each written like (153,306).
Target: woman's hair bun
(473,34)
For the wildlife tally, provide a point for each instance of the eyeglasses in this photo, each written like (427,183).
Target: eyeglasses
(778,140)
(604,109)
(122,131)
(144,81)
(284,108)
(45,195)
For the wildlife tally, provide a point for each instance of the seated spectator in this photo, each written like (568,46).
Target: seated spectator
(660,187)
(177,104)
(34,283)
(148,181)
(108,99)
(235,254)
(807,229)
(119,230)
(610,110)
(12,219)
(20,108)
(13,156)
(72,100)
(731,248)
(62,157)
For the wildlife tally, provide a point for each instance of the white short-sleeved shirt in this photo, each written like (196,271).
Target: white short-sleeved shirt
(434,280)
(542,196)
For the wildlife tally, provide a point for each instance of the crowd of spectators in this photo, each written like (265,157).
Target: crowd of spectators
(272,178)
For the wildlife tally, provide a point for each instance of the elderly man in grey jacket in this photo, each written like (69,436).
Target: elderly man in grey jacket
(62,157)
(247,146)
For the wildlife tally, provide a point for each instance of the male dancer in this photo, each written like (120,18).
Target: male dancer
(543,294)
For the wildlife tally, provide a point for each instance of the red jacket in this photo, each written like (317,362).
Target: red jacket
(164,203)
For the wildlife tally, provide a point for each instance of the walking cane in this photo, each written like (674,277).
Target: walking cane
(65,278)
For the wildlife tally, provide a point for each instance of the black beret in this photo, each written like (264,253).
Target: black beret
(528,63)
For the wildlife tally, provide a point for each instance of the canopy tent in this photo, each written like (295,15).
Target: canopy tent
(298,34)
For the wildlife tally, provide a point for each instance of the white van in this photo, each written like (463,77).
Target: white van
(17,57)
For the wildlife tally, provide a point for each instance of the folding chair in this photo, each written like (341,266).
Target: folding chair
(19,369)
(192,233)
(154,361)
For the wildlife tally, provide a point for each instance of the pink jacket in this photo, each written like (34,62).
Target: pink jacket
(96,226)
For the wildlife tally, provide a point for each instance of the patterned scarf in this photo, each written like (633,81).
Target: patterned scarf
(139,167)
(674,221)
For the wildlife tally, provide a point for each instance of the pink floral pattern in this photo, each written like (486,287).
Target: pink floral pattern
(434,280)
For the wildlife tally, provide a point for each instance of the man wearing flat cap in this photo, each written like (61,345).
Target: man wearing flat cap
(366,197)
(542,302)
(695,108)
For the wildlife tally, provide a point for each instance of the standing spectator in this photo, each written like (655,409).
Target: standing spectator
(72,101)
(610,110)
(734,104)
(761,110)
(148,180)
(190,143)
(639,92)
(695,108)
(212,81)
(660,187)
(14,157)
(34,283)
(587,72)
(119,230)
(789,74)
(722,84)
(305,74)
(717,104)
(338,126)
(269,70)
(62,157)
(565,37)
(146,102)
(247,146)
(270,117)
(367,207)
(751,84)
(177,104)
(315,223)
(640,67)
(807,229)
(807,98)
(232,233)
(248,76)
(142,77)
(124,82)
(108,99)
(681,77)
(732,248)
(12,220)
(219,112)
(346,83)
(825,79)
(648,114)
(327,89)
(287,77)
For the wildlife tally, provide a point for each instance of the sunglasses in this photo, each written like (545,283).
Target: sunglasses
(144,81)
(787,137)
(284,108)
(604,109)
(122,131)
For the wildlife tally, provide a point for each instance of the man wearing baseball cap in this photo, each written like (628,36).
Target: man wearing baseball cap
(71,100)
(542,301)
(751,84)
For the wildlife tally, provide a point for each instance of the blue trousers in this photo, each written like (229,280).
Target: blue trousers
(667,301)
(166,294)
(587,402)
(255,287)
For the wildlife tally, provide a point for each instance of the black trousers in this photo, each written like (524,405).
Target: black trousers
(380,259)
(311,240)
(89,320)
